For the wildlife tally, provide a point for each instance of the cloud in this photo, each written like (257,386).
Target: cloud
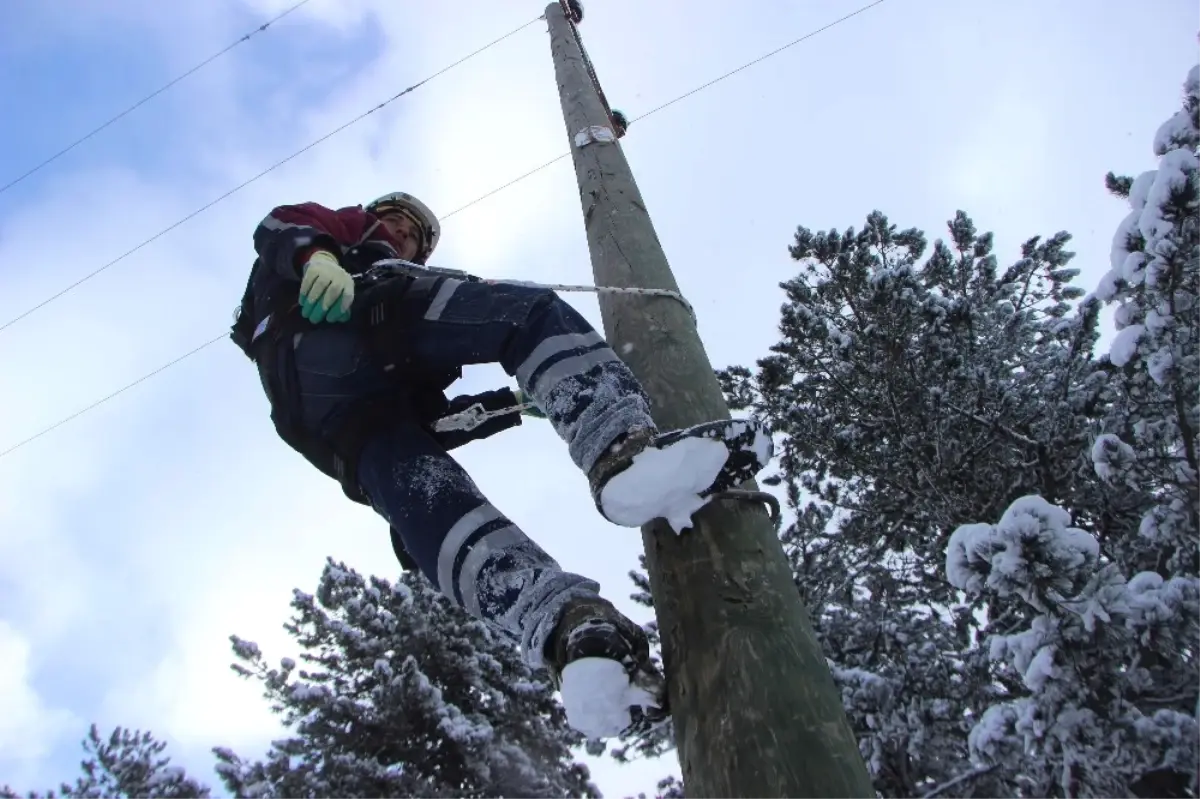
(980,178)
(137,538)
(29,727)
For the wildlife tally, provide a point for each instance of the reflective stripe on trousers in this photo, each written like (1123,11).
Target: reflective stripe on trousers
(463,544)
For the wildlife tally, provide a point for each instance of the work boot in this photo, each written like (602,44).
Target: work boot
(616,458)
(592,628)
(677,471)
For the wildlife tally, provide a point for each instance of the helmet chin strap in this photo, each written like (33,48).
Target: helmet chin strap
(403,202)
(417,223)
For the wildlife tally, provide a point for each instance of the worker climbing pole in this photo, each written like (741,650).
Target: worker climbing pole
(754,707)
(356,338)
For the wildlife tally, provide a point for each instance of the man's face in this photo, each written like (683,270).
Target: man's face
(405,232)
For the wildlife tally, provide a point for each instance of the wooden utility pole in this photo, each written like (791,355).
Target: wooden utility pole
(755,709)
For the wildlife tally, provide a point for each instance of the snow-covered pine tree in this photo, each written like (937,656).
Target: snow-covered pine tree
(909,393)
(667,788)
(918,394)
(1152,437)
(129,764)
(1100,684)
(1105,678)
(403,695)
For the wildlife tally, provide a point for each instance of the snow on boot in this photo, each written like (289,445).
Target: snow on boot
(670,476)
(600,661)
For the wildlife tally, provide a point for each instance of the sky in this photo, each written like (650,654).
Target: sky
(137,538)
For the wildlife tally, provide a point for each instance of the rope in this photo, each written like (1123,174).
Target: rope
(675,295)
(388,266)
(531,172)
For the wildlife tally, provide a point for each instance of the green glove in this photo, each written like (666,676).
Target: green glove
(533,410)
(325,285)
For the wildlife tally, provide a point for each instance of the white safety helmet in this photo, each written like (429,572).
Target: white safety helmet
(416,210)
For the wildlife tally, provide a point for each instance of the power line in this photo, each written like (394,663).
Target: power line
(675,100)
(533,171)
(260,175)
(758,60)
(499,189)
(151,96)
(116,393)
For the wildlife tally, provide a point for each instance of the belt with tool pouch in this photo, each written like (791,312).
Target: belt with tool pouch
(378,311)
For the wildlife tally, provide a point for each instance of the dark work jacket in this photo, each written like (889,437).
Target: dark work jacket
(286,238)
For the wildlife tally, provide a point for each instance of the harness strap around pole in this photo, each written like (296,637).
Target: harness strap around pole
(675,295)
(408,267)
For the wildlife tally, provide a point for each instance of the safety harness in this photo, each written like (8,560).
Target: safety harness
(378,312)
(377,308)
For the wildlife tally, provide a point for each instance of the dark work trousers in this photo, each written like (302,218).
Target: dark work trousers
(461,542)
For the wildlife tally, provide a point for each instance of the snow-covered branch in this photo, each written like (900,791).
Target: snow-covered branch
(959,780)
